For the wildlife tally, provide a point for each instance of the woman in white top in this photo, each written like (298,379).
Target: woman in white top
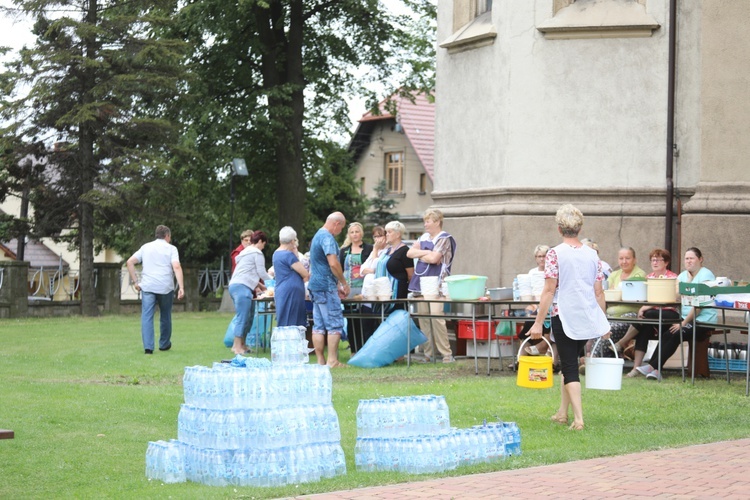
(573,289)
(245,282)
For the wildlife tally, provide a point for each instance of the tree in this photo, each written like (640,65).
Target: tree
(273,73)
(98,83)
(382,205)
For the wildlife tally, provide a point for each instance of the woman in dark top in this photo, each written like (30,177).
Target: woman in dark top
(400,267)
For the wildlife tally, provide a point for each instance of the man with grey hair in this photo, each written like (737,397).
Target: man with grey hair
(161,265)
(327,286)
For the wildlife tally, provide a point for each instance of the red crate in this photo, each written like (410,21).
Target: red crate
(465,330)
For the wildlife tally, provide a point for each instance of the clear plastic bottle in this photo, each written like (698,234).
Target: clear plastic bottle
(516,438)
(339,459)
(443,415)
(516,290)
(420,458)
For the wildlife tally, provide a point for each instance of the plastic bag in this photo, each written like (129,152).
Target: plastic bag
(389,342)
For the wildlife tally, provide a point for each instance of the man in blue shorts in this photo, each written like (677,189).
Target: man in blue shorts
(327,287)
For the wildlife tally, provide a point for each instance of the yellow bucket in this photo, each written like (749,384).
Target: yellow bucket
(661,290)
(535,372)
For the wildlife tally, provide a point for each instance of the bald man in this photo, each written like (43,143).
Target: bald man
(327,286)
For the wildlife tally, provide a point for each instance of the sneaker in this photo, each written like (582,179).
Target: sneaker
(169,346)
(654,375)
(148,351)
(645,369)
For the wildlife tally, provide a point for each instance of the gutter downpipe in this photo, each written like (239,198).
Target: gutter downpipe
(670,124)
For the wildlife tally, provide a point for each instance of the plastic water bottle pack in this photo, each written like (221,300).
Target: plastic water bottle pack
(252,423)
(289,346)
(413,435)
(402,416)
(257,429)
(224,386)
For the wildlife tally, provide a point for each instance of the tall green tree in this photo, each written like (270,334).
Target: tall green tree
(89,101)
(274,74)
(382,206)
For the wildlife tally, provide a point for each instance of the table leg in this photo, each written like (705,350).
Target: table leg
(692,351)
(490,338)
(408,335)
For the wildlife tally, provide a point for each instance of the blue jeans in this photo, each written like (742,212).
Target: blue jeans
(149,301)
(327,314)
(242,297)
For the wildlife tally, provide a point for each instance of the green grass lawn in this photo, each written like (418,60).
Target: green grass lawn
(84,401)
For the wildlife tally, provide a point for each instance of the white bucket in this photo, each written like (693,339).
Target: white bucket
(634,290)
(662,289)
(604,373)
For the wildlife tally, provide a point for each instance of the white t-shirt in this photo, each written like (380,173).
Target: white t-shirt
(581,316)
(157,275)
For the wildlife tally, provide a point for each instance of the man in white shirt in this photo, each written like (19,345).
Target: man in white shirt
(161,265)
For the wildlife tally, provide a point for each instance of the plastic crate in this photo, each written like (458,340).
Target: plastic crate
(703,289)
(720,365)
(465,330)
(495,349)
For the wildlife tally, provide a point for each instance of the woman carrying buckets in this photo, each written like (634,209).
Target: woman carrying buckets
(573,291)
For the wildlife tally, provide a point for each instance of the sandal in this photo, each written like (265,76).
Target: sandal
(632,373)
(559,419)
(575,427)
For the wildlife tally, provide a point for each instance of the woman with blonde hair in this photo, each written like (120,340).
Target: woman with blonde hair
(354,252)
(574,295)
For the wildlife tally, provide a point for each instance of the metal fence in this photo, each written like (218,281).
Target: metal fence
(56,283)
(62,283)
(210,281)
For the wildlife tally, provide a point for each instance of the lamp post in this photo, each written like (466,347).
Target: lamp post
(239,167)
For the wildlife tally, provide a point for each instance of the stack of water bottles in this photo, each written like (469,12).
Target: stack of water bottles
(261,424)
(413,434)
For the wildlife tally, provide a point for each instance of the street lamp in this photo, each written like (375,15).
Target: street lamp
(239,167)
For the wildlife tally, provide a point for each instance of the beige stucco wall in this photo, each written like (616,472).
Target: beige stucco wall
(725,106)
(411,204)
(717,218)
(541,122)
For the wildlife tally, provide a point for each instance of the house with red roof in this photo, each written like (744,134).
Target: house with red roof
(399,147)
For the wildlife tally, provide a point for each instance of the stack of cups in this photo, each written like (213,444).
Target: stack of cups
(383,288)
(537,285)
(368,289)
(525,287)
(429,286)
(444,290)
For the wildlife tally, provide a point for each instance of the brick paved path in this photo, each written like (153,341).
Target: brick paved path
(716,470)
